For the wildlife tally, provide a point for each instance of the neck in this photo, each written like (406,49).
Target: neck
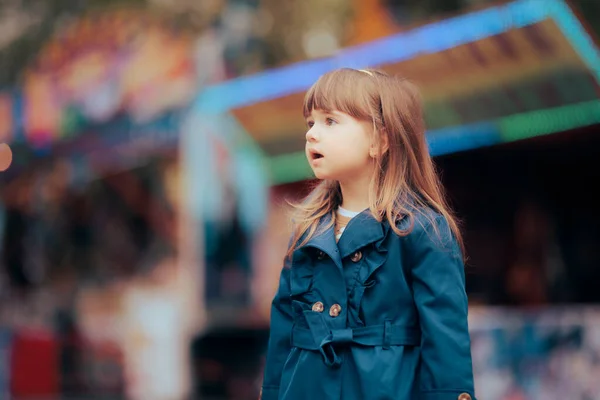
(355,194)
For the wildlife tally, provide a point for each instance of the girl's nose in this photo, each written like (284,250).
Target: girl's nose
(311,135)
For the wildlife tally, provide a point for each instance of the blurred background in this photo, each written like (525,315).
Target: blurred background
(148,147)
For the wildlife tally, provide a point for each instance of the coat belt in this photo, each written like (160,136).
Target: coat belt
(319,337)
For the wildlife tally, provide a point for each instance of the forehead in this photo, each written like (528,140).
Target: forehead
(315,113)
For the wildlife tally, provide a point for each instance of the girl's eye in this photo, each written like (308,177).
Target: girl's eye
(330,121)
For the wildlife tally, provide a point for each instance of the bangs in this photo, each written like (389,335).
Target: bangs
(345,90)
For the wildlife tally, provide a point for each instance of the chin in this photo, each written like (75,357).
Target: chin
(323,175)
(319,174)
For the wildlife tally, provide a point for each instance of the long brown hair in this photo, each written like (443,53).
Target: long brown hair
(405,179)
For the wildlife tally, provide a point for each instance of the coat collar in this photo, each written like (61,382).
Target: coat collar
(362,230)
(324,240)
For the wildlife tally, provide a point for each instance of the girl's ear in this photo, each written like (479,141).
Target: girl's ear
(380,147)
(385,144)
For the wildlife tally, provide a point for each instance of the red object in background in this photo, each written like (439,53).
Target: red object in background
(34,364)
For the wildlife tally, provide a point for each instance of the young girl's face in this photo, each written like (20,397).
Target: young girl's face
(338,145)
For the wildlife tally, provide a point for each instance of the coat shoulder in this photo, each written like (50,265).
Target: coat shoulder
(427,227)
(422,220)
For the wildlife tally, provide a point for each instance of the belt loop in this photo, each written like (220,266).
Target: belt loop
(387,335)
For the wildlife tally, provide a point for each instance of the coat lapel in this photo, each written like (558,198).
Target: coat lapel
(324,240)
(362,230)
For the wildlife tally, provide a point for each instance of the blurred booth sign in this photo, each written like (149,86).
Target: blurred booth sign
(120,144)
(116,62)
(482,74)
(530,68)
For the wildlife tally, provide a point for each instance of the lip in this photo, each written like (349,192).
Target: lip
(313,156)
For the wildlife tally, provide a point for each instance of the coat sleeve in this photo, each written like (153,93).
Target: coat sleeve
(438,281)
(280,337)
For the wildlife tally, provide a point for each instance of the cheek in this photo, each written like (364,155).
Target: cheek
(357,146)
(352,155)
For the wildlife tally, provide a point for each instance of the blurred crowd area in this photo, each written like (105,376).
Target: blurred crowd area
(148,149)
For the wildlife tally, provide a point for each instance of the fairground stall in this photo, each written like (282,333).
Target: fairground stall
(91,213)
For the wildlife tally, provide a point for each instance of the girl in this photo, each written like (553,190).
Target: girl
(371,302)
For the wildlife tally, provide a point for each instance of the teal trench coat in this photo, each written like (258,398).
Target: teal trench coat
(375,316)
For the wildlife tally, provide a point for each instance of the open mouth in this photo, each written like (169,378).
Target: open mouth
(314,155)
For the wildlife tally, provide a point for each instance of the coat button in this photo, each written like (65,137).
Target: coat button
(335,310)
(320,255)
(318,307)
(356,257)
(464,396)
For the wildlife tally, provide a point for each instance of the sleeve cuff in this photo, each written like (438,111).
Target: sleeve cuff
(269,393)
(447,395)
